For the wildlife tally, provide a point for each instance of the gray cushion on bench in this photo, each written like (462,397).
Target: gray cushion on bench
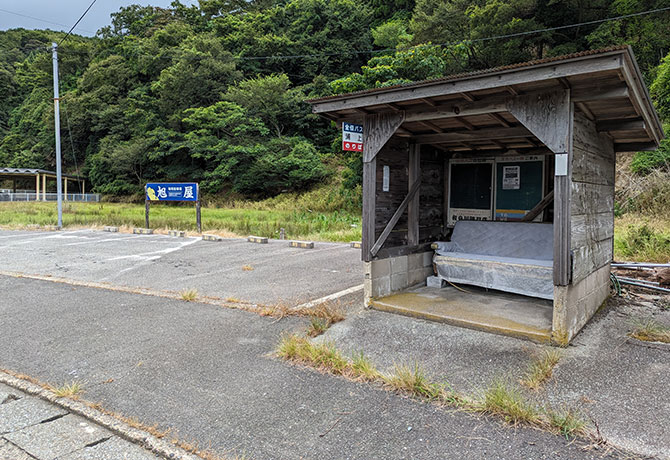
(509,256)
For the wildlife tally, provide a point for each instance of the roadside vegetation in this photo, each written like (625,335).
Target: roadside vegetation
(502,398)
(650,330)
(319,222)
(68,390)
(540,369)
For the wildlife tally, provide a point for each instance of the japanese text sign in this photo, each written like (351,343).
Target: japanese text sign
(352,137)
(165,191)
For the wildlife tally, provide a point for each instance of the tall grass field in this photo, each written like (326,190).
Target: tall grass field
(305,224)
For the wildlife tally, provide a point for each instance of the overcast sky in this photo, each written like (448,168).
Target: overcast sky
(62,14)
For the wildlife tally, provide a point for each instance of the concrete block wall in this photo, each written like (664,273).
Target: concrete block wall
(576,303)
(386,276)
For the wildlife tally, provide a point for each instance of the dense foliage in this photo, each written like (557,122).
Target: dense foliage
(215,93)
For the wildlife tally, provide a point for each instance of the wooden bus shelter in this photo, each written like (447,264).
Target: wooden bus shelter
(532,143)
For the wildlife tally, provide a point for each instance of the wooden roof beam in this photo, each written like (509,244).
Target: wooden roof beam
(512,90)
(634,146)
(583,107)
(478,135)
(431,126)
(500,119)
(620,125)
(467,97)
(465,123)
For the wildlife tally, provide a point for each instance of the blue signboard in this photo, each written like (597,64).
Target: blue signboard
(352,137)
(166,191)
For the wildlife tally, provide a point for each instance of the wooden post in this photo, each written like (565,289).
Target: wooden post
(562,216)
(65,195)
(369,207)
(197,215)
(37,187)
(83,187)
(146,213)
(44,187)
(14,185)
(413,205)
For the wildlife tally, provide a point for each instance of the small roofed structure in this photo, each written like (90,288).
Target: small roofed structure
(40,177)
(534,143)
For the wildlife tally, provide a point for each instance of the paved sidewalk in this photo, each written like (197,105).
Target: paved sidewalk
(34,429)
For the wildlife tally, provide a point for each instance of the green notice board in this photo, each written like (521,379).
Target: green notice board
(519,187)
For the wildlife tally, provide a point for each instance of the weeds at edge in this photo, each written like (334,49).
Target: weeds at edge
(71,390)
(540,369)
(189,295)
(650,330)
(500,399)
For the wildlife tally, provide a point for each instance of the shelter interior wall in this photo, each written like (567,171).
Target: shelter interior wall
(395,155)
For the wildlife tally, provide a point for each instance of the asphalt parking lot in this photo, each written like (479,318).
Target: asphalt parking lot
(232,268)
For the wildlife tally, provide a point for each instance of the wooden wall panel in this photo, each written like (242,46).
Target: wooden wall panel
(395,155)
(592,199)
(431,195)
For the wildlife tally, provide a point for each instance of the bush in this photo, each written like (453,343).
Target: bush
(642,242)
(645,163)
(285,164)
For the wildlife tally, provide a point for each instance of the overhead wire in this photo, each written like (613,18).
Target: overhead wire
(41,20)
(76,23)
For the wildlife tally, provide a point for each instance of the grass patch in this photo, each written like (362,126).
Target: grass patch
(363,368)
(503,399)
(299,220)
(540,369)
(413,380)
(642,239)
(650,330)
(189,295)
(71,390)
(317,326)
(321,355)
(568,423)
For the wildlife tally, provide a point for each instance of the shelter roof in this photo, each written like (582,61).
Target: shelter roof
(605,84)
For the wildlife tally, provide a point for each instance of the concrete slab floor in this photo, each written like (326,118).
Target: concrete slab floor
(613,381)
(476,308)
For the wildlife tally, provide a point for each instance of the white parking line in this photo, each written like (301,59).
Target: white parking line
(153,255)
(328,298)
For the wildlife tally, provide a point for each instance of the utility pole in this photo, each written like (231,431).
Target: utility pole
(59,185)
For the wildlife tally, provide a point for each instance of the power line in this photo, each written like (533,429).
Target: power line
(78,20)
(474,40)
(42,20)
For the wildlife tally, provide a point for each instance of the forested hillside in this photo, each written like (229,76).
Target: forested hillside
(215,93)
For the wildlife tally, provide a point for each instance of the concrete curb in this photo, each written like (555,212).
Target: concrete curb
(110,229)
(356,244)
(177,233)
(301,244)
(143,231)
(257,239)
(207,237)
(123,430)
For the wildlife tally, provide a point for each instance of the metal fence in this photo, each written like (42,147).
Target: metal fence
(31,196)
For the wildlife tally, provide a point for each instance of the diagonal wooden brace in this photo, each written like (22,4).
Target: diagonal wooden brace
(394,219)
